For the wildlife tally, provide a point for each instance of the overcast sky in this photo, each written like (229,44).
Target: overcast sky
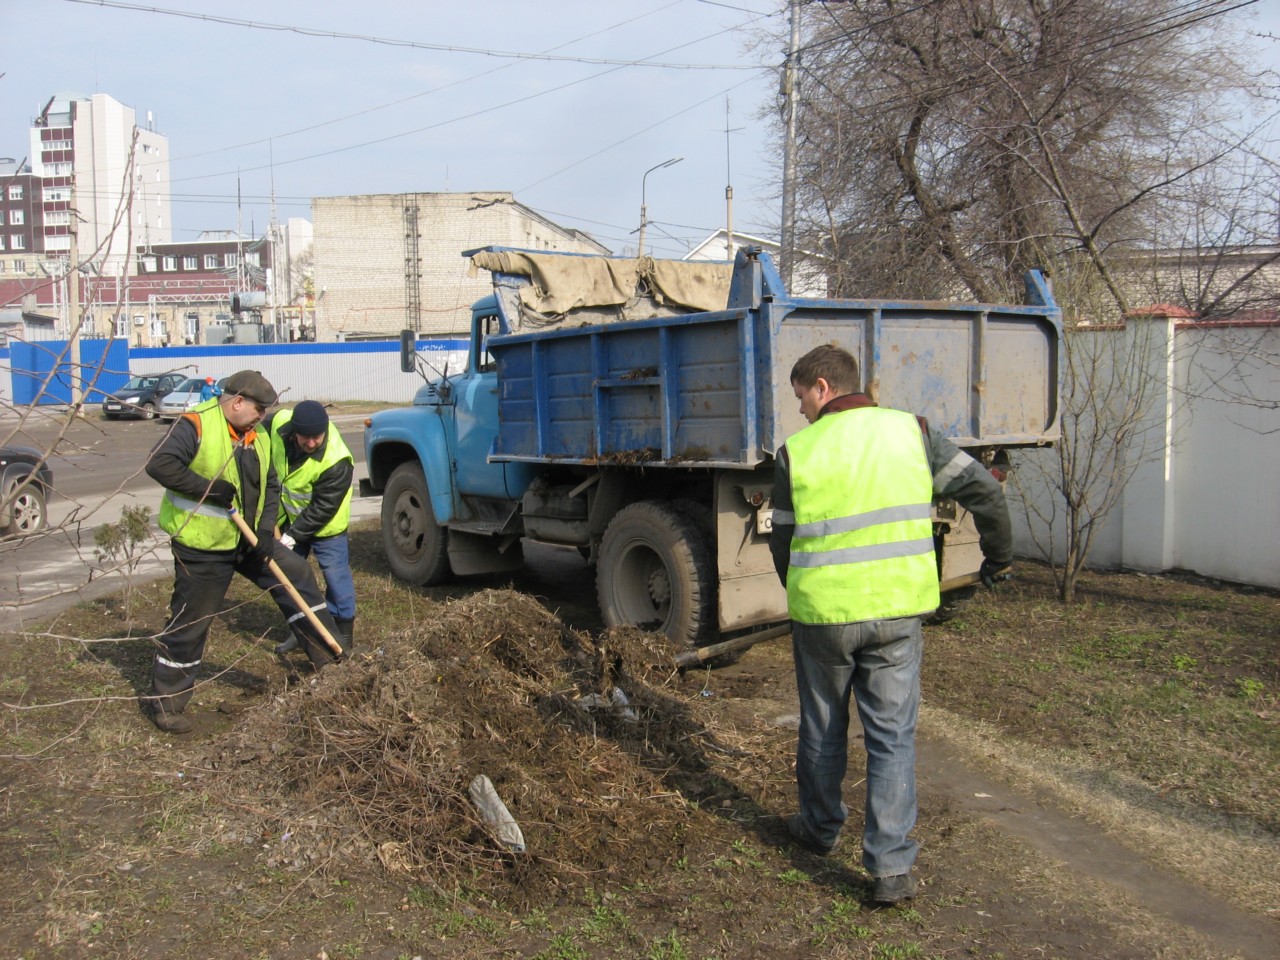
(416,95)
(336,115)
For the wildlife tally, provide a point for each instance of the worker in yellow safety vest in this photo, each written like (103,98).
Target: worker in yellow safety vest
(214,461)
(316,468)
(853,544)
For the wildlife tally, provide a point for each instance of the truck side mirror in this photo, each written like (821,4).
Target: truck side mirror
(408,351)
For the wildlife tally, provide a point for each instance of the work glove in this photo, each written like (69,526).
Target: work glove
(287,540)
(266,544)
(222,493)
(992,572)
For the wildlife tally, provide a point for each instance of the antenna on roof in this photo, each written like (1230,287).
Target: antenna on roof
(728,180)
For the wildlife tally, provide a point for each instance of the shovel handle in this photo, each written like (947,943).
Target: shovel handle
(691,658)
(247,532)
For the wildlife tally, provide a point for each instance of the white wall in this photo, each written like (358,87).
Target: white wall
(312,371)
(1207,498)
(1227,471)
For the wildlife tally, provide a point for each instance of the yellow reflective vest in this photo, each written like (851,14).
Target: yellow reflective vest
(863,542)
(200,524)
(295,487)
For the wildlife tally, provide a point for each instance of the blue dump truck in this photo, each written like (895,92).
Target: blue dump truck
(631,407)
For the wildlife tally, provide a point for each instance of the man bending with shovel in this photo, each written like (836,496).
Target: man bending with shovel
(220,485)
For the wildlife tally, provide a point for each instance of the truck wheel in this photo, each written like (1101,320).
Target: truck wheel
(655,572)
(416,546)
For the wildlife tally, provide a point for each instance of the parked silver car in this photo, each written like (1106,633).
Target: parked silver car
(183,397)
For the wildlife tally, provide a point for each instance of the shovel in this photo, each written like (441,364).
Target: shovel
(274,567)
(692,658)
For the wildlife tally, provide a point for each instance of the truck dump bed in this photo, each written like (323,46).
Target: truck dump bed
(638,370)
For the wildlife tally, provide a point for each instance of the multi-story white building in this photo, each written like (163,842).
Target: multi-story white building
(119,173)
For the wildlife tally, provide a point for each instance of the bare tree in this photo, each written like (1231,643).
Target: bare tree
(302,275)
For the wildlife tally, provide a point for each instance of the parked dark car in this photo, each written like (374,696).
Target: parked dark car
(23,509)
(141,396)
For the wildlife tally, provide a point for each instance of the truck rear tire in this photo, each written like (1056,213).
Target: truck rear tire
(416,546)
(655,571)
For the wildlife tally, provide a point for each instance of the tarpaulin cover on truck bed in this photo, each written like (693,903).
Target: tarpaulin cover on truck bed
(560,284)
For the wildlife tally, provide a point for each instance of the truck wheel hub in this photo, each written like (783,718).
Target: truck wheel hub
(660,587)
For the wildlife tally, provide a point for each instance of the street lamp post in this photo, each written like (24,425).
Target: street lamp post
(644,209)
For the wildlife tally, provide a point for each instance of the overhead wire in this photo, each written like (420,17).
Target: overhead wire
(390,42)
(516,57)
(423,93)
(434,126)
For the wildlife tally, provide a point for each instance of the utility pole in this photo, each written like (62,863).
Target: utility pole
(73,305)
(790,94)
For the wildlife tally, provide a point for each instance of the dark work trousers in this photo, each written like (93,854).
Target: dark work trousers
(200,582)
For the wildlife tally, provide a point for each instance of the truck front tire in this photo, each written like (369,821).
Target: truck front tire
(655,571)
(416,546)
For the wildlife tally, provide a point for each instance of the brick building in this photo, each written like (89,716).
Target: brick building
(21,222)
(388,262)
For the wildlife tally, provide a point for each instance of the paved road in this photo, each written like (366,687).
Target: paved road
(97,472)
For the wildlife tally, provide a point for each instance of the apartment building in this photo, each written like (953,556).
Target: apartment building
(91,152)
(20,217)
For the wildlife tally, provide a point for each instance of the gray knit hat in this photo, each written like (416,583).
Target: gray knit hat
(251,385)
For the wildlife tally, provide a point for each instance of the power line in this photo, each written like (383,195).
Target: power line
(424,93)
(412,44)
(729,6)
(434,126)
(632,136)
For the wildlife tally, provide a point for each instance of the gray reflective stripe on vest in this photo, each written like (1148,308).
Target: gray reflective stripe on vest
(202,507)
(957,465)
(784,517)
(289,495)
(178,666)
(875,551)
(860,521)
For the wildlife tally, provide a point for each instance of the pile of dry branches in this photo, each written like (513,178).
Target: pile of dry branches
(597,754)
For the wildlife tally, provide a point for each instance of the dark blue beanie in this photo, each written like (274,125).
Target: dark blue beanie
(310,419)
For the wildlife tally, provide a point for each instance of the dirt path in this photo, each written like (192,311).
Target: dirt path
(948,780)
(1087,852)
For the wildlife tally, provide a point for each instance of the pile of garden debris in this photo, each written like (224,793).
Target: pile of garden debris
(605,759)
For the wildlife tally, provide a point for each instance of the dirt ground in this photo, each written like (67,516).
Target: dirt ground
(329,816)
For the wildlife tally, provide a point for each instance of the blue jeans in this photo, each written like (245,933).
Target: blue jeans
(335,563)
(878,661)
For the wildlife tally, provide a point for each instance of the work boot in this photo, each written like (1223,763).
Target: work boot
(174,723)
(346,634)
(886,891)
(289,643)
(800,832)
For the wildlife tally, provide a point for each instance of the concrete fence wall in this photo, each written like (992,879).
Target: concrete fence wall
(368,370)
(1204,493)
